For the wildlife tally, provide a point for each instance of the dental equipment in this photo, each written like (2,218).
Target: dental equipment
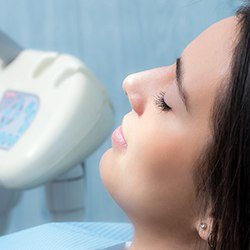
(53,114)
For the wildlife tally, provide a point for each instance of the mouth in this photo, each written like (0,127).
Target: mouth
(118,139)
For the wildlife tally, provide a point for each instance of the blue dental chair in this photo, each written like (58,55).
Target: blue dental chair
(70,236)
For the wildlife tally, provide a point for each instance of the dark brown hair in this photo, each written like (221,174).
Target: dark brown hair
(224,178)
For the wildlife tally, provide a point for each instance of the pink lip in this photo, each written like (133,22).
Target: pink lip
(118,139)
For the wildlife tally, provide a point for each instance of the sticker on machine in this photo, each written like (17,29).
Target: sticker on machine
(17,111)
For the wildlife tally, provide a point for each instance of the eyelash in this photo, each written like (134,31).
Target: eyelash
(160,102)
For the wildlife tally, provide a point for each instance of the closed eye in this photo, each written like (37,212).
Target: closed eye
(160,102)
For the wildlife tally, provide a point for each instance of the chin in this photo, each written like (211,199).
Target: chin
(109,172)
(105,167)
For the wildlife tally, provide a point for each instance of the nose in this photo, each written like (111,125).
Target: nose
(142,86)
(133,90)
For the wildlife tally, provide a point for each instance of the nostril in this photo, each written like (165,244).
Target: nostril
(136,103)
(131,89)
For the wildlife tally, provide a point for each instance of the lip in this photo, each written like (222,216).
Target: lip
(118,140)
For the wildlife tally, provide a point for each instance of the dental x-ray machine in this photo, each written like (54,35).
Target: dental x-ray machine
(53,114)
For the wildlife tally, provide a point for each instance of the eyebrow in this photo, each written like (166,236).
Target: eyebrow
(179,82)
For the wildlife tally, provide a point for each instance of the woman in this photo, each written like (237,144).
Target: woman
(179,165)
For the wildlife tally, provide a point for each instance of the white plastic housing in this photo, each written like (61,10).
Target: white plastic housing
(71,115)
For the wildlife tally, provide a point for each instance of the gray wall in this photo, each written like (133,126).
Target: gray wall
(114,38)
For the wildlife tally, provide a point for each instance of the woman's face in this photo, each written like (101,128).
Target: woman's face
(152,177)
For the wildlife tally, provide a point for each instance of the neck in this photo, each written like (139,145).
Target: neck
(148,237)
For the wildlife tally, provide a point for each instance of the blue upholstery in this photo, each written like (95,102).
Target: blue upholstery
(72,236)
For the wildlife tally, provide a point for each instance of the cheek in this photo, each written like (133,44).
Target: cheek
(155,174)
(160,153)
(160,164)
(157,170)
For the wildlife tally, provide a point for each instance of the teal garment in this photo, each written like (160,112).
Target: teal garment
(71,236)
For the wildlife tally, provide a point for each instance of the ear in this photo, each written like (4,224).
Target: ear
(204,227)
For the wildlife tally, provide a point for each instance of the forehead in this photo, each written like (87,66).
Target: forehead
(206,62)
